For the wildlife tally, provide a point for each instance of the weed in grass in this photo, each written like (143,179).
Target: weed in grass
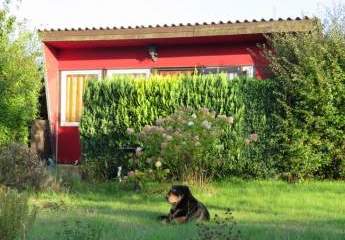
(80,231)
(222,228)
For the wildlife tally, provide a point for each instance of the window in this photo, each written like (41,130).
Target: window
(174,71)
(132,72)
(232,71)
(73,84)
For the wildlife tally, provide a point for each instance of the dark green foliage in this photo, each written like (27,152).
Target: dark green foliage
(309,71)
(20,80)
(113,106)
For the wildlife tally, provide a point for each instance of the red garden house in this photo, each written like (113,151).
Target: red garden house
(74,55)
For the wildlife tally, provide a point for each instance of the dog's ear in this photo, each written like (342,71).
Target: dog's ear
(181,190)
(186,191)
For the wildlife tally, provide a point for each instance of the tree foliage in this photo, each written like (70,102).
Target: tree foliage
(20,79)
(309,74)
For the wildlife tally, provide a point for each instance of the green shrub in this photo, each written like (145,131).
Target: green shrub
(20,80)
(114,105)
(309,70)
(188,144)
(21,168)
(15,216)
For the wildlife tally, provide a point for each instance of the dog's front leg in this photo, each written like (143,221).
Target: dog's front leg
(164,218)
(181,219)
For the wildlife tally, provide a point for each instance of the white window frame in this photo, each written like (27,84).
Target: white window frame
(63,92)
(249,69)
(145,71)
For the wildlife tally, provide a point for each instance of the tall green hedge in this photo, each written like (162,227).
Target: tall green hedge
(309,72)
(111,106)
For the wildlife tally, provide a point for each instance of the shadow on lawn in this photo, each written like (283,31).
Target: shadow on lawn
(120,196)
(139,215)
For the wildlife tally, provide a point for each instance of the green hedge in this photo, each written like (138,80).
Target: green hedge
(309,72)
(111,106)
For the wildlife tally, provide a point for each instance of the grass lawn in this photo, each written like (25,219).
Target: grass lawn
(263,209)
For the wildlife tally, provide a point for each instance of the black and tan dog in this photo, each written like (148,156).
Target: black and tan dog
(185,207)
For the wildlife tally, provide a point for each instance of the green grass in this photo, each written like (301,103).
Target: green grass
(263,210)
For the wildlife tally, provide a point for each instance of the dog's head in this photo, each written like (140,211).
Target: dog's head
(177,193)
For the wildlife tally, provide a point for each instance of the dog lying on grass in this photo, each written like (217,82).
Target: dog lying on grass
(185,207)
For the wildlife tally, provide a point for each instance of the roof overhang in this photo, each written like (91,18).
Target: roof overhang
(180,31)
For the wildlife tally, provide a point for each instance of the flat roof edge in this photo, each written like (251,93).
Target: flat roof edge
(185,31)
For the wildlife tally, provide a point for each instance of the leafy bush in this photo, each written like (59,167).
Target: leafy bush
(112,106)
(188,144)
(20,80)
(15,216)
(309,70)
(21,168)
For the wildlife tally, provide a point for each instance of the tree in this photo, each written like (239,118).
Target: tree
(309,74)
(20,78)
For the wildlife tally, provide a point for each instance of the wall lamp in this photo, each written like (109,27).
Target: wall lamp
(152,50)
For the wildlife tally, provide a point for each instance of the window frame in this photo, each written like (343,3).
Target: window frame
(174,70)
(145,71)
(63,92)
(249,69)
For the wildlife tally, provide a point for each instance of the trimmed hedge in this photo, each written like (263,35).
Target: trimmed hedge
(111,106)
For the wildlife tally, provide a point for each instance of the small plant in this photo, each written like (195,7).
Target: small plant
(15,217)
(21,168)
(222,228)
(80,231)
(137,180)
(184,146)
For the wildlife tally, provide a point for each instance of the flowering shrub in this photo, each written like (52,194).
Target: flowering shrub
(186,145)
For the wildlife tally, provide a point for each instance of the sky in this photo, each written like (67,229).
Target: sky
(41,14)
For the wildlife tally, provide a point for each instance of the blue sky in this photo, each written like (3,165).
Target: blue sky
(83,13)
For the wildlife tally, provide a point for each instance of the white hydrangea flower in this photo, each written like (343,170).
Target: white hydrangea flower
(149,160)
(158,164)
(138,151)
(205,124)
(169,138)
(130,131)
(230,120)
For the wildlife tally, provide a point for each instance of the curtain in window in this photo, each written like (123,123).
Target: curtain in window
(75,86)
